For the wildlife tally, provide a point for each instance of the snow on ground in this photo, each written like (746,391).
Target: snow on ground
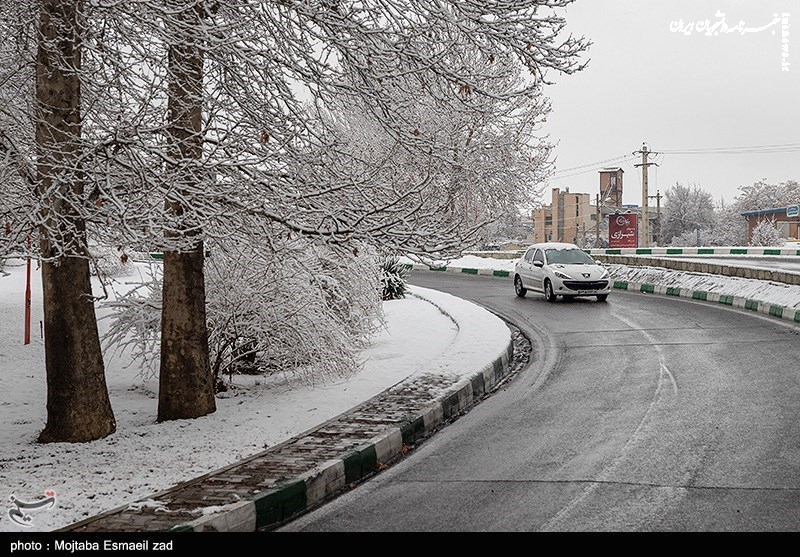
(143,457)
(776,293)
(471,262)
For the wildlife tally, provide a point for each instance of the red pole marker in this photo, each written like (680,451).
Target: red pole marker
(28,299)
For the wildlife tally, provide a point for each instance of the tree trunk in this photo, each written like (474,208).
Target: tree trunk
(186,386)
(78,407)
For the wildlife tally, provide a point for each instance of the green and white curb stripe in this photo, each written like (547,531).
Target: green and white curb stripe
(696,251)
(284,501)
(781,312)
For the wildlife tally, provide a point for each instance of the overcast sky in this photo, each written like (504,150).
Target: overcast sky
(677,91)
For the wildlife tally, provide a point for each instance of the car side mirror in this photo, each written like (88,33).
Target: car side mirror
(538,264)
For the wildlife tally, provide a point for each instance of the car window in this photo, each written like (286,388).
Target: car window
(538,256)
(529,255)
(569,257)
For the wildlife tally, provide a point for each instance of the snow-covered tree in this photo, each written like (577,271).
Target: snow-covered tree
(729,228)
(685,209)
(765,233)
(47,197)
(763,195)
(202,119)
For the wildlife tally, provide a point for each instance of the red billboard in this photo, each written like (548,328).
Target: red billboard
(623,231)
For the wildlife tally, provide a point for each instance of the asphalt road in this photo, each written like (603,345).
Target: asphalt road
(643,413)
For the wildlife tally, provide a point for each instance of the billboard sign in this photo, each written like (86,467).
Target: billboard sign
(792,211)
(623,231)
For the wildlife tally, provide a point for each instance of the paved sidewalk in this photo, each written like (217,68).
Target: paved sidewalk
(267,489)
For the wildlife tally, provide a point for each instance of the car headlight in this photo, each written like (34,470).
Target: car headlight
(604,275)
(561,275)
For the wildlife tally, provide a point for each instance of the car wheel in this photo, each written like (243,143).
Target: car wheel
(548,291)
(602,297)
(518,288)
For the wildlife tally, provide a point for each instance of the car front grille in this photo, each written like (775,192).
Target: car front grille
(586,285)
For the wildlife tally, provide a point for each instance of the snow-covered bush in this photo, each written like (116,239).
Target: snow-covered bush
(136,320)
(592,242)
(393,278)
(765,234)
(294,307)
(730,227)
(687,239)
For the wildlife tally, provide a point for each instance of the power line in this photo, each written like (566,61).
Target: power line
(753,149)
(744,150)
(590,167)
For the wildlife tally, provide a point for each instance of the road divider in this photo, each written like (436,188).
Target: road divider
(780,312)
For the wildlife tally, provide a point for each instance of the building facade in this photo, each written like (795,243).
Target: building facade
(570,217)
(786,220)
(611,187)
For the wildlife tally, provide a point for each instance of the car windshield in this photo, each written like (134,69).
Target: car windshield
(569,257)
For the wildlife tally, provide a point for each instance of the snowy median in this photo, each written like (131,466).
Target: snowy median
(427,332)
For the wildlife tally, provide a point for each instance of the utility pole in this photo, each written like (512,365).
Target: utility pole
(645,226)
(597,221)
(658,197)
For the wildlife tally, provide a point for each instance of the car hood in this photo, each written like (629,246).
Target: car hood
(578,271)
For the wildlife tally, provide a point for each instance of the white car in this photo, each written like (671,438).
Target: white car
(559,269)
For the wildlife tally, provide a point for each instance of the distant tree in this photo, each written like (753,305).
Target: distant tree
(766,234)
(729,228)
(685,209)
(762,195)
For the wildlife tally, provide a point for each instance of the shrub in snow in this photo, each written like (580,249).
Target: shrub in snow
(293,307)
(393,278)
(730,227)
(136,321)
(766,234)
(592,242)
(688,239)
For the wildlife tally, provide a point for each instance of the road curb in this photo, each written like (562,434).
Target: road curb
(288,500)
